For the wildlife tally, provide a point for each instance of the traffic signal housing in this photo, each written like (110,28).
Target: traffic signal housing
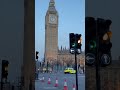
(90,40)
(72,40)
(72,43)
(5,68)
(75,43)
(78,43)
(37,54)
(105,44)
(97,41)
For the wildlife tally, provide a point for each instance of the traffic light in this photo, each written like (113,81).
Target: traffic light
(97,41)
(75,43)
(90,40)
(72,42)
(37,54)
(5,68)
(79,43)
(104,41)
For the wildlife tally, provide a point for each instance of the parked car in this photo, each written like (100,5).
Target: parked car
(44,70)
(69,71)
(47,70)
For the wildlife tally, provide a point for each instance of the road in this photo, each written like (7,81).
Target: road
(70,80)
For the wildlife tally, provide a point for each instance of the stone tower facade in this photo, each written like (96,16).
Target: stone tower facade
(51,32)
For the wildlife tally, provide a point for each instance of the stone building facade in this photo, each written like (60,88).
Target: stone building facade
(67,59)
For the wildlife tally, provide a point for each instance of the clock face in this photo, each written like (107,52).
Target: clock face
(52,19)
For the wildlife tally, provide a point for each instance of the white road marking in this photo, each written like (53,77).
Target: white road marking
(50,88)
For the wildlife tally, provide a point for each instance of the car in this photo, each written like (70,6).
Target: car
(47,70)
(69,71)
(44,70)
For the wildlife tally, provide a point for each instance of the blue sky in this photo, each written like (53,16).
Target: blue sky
(71,20)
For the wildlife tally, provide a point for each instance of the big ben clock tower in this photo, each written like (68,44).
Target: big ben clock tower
(51,33)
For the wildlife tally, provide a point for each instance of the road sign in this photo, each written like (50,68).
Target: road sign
(105,58)
(90,58)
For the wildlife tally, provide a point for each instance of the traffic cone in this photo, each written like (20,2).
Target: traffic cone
(56,83)
(65,85)
(49,81)
(43,79)
(74,87)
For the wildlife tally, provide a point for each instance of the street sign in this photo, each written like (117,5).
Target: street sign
(90,58)
(105,58)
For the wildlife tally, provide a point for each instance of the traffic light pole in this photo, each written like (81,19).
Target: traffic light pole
(97,61)
(76,63)
(75,43)
(36,69)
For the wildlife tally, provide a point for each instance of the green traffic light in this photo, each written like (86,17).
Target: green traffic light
(73,45)
(92,44)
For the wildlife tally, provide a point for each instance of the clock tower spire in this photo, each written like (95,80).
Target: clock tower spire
(51,7)
(51,3)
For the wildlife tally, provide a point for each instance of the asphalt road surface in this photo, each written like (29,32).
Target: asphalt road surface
(70,81)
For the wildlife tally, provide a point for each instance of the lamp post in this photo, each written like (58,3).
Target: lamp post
(63,64)
(57,65)
(47,66)
(52,65)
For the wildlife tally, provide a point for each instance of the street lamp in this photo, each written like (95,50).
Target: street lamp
(47,66)
(63,64)
(57,65)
